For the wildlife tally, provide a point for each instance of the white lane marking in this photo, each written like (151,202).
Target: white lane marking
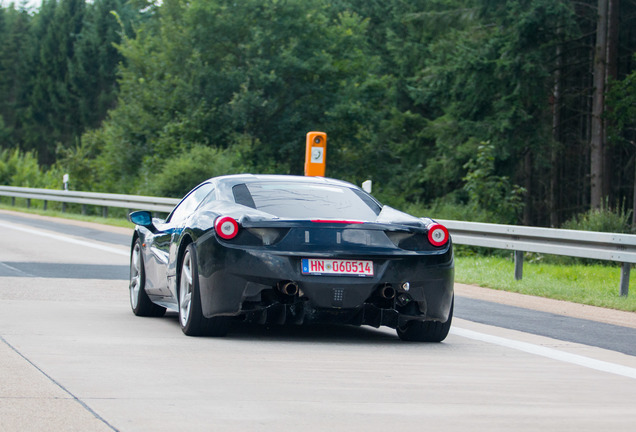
(64,238)
(548,352)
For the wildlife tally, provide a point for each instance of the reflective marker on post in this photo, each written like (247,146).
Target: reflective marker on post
(316,154)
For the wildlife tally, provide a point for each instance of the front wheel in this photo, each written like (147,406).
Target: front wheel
(139,301)
(191,318)
(426,331)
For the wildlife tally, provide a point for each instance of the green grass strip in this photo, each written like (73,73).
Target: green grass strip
(596,285)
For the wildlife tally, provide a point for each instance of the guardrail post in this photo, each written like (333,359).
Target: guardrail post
(518,265)
(63,207)
(105,212)
(625,279)
(45,204)
(84,209)
(13,201)
(28,202)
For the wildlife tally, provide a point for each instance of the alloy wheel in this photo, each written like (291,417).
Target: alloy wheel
(185,290)
(135,276)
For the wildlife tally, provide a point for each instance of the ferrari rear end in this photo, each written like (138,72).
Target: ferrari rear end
(327,270)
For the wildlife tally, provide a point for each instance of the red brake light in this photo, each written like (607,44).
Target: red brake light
(226,227)
(438,234)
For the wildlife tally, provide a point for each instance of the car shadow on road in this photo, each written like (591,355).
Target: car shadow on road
(327,333)
(314,333)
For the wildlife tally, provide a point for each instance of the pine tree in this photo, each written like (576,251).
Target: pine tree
(15,71)
(93,68)
(55,113)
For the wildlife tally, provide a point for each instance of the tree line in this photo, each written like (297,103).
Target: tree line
(510,111)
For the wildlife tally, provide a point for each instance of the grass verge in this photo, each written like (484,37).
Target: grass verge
(595,285)
(113,221)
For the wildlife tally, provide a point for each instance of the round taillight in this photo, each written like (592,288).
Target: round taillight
(226,227)
(438,235)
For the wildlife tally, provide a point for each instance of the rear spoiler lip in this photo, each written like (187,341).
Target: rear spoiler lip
(325,223)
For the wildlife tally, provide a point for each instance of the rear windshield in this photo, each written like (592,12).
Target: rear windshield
(307,201)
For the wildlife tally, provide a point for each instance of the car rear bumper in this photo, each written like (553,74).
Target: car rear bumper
(246,282)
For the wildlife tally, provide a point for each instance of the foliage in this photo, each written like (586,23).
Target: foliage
(217,74)
(604,219)
(490,79)
(79,163)
(490,192)
(622,114)
(21,169)
(58,71)
(179,175)
(15,65)
(115,92)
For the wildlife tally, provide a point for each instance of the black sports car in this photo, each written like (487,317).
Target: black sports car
(286,249)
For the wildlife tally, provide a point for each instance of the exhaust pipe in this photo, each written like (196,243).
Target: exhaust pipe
(387,292)
(289,288)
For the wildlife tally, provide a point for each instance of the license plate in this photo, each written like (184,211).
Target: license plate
(312,266)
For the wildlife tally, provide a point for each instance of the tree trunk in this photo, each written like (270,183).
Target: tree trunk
(611,73)
(556,135)
(613,26)
(598,107)
(527,208)
(634,197)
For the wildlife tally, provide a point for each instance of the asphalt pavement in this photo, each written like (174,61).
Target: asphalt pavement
(73,357)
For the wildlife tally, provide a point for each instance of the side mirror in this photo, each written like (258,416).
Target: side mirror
(143,218)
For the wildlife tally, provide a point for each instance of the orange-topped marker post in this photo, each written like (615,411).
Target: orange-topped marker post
(316,154)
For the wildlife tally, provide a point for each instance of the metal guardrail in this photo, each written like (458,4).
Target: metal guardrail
(583,244)
(104,200)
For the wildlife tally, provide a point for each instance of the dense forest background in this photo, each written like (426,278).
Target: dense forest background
(509,111)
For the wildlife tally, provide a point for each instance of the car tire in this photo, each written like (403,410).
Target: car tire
(191,318)
(139,301)
(426,331)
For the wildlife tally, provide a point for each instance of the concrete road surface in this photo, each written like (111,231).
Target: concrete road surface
(74,357)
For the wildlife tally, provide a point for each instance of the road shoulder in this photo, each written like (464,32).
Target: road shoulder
(558,307)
